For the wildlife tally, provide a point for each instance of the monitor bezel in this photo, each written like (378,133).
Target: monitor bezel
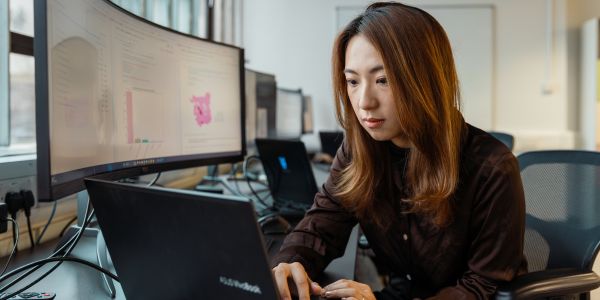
(47,191)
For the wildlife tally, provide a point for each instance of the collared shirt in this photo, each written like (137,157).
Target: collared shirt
(481,247)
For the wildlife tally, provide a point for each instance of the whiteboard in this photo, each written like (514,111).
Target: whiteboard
(470,29)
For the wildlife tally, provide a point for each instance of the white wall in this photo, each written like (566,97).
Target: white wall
(293,40)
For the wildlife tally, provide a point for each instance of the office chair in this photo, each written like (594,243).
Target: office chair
(505,138)
(562,236)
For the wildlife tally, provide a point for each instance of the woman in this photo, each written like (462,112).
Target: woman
(439,200)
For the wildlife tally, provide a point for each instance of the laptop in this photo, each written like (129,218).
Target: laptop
(290,175)
(174,244)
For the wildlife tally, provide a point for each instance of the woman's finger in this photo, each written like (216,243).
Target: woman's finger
(281,273)
(340,284)
(301,280)
(343,293)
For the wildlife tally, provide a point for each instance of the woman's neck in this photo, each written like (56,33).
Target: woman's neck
(401,142)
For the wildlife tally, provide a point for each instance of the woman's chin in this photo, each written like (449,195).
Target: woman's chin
(378,136)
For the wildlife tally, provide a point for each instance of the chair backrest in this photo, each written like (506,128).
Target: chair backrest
(562,196)
(505,138)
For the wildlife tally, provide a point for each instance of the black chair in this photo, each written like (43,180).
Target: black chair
(562,237)
(505,138)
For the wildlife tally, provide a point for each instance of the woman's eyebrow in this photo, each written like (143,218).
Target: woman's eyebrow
(373,70)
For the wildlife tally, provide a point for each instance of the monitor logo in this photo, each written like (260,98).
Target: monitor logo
(252,288)
(283,162)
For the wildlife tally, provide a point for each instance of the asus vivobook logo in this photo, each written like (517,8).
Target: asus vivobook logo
(240,285)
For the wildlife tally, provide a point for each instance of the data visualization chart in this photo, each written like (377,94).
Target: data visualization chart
(202,109)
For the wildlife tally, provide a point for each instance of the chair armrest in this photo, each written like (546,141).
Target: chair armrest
(549,283)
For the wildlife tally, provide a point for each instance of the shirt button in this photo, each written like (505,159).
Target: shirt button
(408,277)
(405,237)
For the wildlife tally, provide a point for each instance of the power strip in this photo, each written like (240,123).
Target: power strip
(16,174)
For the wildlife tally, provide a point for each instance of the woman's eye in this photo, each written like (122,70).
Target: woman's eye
(351,82)
(382,81)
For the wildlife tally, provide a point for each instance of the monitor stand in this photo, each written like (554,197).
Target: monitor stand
(101,250)
(210,182)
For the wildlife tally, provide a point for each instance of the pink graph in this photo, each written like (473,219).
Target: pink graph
(202,109)
(129,104)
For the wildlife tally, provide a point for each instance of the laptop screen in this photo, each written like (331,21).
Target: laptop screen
(288,171)
(174,244)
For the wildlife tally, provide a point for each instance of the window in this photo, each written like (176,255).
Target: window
(22,100)
(17,90)
(4,104)
(188,16)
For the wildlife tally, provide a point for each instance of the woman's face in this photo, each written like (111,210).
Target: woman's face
(370,93)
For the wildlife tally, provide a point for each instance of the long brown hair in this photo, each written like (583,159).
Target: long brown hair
(418,62)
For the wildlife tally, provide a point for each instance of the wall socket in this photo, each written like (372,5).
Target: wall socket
(16,174)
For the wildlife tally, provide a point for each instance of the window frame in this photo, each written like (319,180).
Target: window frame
(4,75)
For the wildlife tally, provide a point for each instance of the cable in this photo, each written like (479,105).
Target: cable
(70,244)
(245,164)
(258,198)
(39,239)
(151,183)
(14,224)
(41,262)
(34,268)
(15,233)
(234,168)
(244,171)
(30,233)
(62,231)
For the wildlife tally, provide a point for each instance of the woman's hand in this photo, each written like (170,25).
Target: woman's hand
(348,290)
(299,282)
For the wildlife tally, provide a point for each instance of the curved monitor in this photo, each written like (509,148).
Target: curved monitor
(118,96)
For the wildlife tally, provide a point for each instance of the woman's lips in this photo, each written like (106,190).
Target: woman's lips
(373,123)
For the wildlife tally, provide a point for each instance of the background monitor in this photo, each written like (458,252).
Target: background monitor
(266,105)
(307,114)
(289,113)
(119,96)
(251,121)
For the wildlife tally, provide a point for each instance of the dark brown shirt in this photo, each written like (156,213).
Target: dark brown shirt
(482,247)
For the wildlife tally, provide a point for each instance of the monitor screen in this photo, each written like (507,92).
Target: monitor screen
(266,105)
(120,96)
(289,113)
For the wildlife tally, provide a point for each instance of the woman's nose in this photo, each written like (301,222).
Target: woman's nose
(367,100)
